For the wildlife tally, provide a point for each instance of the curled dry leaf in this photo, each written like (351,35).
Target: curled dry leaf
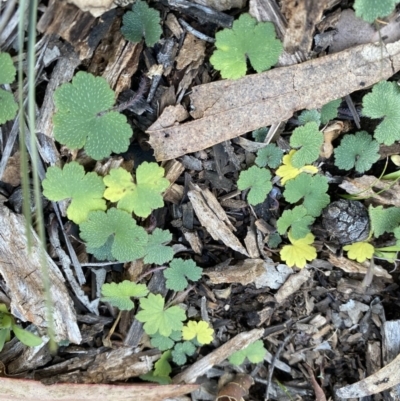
(95,7)
(330,134)
(236,389)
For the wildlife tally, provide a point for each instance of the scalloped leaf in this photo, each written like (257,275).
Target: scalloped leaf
(359,151)
(130,240)
(156,251)
(119,295)
(258,180)
(359,251)
(142,21)
(312,189)
(329,111)
(384,102)
(179,272)
(8,106)
(140,197)
(182,351)
(201,331)
(84,117)
(299,221)
(156,318)
(383,220)
(309,139)
(309,116)
(299,252)
(287,171)
(254,352)
(370,10)
(246,40)
(163,343)
(270,156)
(71,182)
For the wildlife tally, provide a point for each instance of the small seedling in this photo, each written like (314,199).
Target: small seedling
(158,319)
(246,40)
(258,180)
(200,331)
(255,353)
(309,141)
(312,189)
(85,117)
(156,251)
(71,182)
(270,156)
(359,251)
(142,21)
(288,172)
(181,351)
(384,102)
(8,106)
(359,151)
(299,221)
(309,116)
(260,134)
(140,196)
(162,370)
(163,343)
(179,272)
(129,240)
(119,295)
(7,324)
(299,252)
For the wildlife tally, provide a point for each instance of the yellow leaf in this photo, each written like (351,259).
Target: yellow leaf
(288,172)
(359,251)
(201,330)
(299,252)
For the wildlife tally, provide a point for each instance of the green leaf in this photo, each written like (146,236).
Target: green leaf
(383,220)
(119,295)
(4,336)
(270,156)
(142,21)
(179,272)
(140,197)
(6,320)
(370,10)
(309,116)
(130,240)
(359,151)
(359,251)
(254,352)
(103,252)
(199,331)
(181,351)
(309,139)
(274,240)
(258,180)
(155,318)
(8,106)
(156,251)
(84,119)
(297,219)
(260,134)
(299,251)
(384,102)
(246,40)
(71,182)
(161,372)
(330,111)
(163,343)
(312,189)
(27,338)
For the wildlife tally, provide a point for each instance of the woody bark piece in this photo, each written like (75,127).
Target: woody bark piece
(213,218)
(22,273)
(292,284)
(200,367)
(30,390)
(227,109)
(236,389)
(95,7)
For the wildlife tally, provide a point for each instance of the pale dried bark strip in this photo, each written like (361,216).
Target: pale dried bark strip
(226,109)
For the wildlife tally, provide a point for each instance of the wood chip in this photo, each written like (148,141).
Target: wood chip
(22,273)
(226,109)
(213,218)
(292,284)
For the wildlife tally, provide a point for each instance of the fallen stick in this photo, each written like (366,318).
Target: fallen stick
(226,109)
